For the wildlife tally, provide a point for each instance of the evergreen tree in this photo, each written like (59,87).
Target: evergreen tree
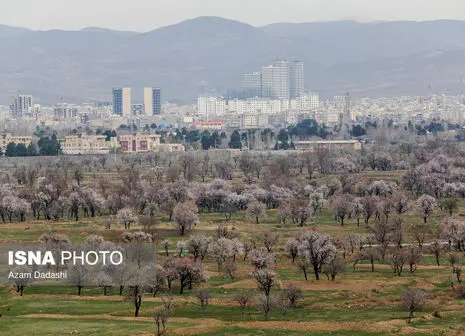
(21,150)
(206,140)
(11,150)
(49,146)
(235,140)
(32,150)
(109,134)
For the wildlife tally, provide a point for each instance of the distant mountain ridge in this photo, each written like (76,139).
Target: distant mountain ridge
(209,54)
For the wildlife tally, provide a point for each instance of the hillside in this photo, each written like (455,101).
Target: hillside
(209,54)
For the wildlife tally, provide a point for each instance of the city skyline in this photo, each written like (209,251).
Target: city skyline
(144,16)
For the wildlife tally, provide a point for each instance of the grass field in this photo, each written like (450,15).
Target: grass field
(359,302)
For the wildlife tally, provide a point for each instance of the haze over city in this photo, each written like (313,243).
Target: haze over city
(146,15)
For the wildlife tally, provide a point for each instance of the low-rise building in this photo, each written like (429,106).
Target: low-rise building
(316,145)
(7,138)
(209,125)
(172,148)
(139,142)
(84,144)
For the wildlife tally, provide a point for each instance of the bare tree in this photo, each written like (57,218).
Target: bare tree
(21,282)
(243,297)
(188,272)
(413,256)
(301,211)
(334,267)
(449,204)
(292,247)
(293,294)
(180,247)
(398,259)
(185,217)
(371,254)
(222,250)
(437,248)
(247,166)
(266,280)
(419,231)
(104,280)
(198,246)
(127,217)
(203,295)
(426,205)
(369,207)
(189,164)
(381,231)
(166,244)
(260,258)
(270,240)
(77,275)
(256,210)
(413,299)
(316,249)
(224,170)
(341,206)
(400,202)
(230,268)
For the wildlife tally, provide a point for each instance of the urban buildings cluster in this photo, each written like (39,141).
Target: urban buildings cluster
(280,80)
(209,106)
(98,144)
(122,102)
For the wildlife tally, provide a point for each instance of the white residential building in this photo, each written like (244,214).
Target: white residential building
(22,106)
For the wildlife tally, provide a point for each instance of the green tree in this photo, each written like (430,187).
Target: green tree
(215,140)
(32,150)
(21,150)
(11,150)
(109,134)
(206,140)
(49,146)
(235,140)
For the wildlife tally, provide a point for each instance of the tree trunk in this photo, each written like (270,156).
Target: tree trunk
(315,269)
(121,290)
(410,315)
(138,303)
(79,290)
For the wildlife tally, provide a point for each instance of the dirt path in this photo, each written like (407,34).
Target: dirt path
(199,325)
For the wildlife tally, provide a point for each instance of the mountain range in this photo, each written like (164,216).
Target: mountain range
(210,54)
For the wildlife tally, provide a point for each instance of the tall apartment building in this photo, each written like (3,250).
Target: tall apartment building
(251,84)
(283,80)
(122,101)
(152,101)
(22,105)
(65,111)
(211,106)
(297,79)
(267,81)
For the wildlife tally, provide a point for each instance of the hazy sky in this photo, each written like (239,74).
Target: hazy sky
(144,15)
